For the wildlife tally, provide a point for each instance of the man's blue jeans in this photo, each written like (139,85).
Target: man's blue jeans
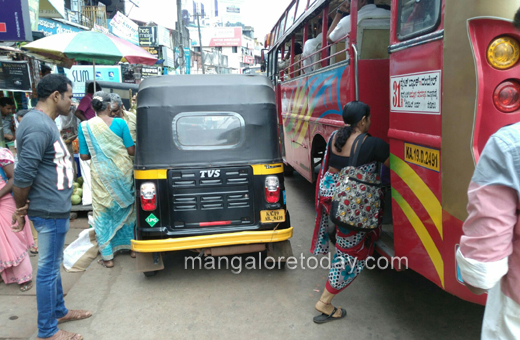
(49,292)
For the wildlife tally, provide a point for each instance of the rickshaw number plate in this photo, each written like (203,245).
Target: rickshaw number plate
(272,216)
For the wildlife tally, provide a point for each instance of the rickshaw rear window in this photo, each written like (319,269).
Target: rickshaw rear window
(417,17)
(208,130)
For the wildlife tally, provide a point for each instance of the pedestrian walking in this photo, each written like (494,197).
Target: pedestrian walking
(352,247)
(42,190)
(15,265)
(107,141)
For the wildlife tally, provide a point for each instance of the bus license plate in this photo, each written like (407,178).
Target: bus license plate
(272,216)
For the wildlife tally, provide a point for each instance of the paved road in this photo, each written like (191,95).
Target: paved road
(256,304)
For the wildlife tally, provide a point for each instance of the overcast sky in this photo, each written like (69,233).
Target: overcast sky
(261,14)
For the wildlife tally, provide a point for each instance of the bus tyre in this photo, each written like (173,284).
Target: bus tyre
(150,274)
(288,170)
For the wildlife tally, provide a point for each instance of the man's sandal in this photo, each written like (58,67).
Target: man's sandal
(323,318)
(74,315)
(63,335)
(26,286)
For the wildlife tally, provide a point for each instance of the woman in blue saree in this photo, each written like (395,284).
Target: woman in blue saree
(108,143)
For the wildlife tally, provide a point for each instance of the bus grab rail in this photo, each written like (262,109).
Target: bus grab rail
(291,73)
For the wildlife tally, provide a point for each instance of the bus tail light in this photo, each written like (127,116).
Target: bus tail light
(148,196)
(272,189)
(503,52)
(507,96)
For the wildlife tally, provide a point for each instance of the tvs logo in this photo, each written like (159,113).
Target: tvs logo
(3,28)
(209,173)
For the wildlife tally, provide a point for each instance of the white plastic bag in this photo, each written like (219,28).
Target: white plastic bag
(80,253)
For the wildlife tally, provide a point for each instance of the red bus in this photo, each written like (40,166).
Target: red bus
(440,77)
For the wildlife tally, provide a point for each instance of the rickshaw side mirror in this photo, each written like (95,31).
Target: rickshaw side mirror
(263,65)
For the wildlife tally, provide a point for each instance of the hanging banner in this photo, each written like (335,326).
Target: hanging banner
(81,74)
(15,20)
(124,28)
(15,76)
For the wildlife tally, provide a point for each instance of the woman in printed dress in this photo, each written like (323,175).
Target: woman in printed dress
(352,247)
(15,265)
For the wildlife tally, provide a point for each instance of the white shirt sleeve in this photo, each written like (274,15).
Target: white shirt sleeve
(341,30)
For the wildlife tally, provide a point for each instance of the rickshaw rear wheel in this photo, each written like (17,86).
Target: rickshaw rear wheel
(150,274)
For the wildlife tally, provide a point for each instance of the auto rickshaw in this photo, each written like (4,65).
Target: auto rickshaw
(208,169)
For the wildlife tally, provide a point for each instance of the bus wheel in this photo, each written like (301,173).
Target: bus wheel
(150,274)
(288,170)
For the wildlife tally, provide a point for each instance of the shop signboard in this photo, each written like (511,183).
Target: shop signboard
(51,27)
(222,37)
(168,56)
(163,37)
(124,28)
(81,74)
(34,13)
(52,9)
(249,60)
(15,21)
(152,50)
(231,12)
(150,71)
(15,76)
(148,36)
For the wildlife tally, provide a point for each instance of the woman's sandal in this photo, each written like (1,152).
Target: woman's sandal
(33,250)
(26,286)
(106,264)
(75,315)
(63,335)
(323,318)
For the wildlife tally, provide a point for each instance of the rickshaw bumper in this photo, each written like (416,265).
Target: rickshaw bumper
(211,241)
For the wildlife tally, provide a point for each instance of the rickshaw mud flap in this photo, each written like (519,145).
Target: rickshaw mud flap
(212,241)
(148,262)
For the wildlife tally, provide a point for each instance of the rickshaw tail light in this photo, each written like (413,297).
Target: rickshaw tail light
(507,96)
(148,196)
(503,52)
(272,189)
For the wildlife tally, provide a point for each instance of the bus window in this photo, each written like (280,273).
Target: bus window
(282,27)
(290,17)
(302,6)
(416,18)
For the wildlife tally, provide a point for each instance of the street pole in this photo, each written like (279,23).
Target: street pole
(180,30)
(200,43)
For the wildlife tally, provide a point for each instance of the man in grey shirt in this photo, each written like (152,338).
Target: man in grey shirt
(42,190)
